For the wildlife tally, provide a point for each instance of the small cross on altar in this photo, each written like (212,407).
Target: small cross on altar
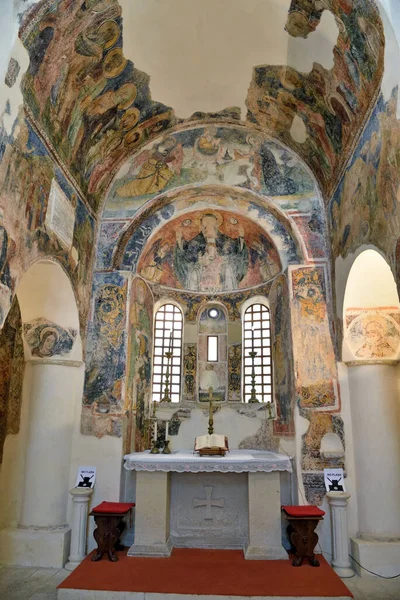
(208,502)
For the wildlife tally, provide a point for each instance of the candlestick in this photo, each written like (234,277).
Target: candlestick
(170,342)
(166,430)
(253,397)
(167,397)
(155,430)
(210,412)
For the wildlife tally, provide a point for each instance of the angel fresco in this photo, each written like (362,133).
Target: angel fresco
(157,167)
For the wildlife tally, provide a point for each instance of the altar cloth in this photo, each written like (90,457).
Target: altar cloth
(185,461)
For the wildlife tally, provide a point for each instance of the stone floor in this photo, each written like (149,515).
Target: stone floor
(30,583)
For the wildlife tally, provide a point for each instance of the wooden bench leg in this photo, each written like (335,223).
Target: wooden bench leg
(304,539)
(107,534)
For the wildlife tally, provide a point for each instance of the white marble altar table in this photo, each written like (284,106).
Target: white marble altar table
(185,461)
(231,501)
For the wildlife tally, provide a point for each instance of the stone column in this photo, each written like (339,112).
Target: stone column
(80,499)
(340,561)
(43,536)
(375,412)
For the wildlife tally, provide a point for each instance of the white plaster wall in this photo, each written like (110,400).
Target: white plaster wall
(200,54)
(226,421)
(370,282)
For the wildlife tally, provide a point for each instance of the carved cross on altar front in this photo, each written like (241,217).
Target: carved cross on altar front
(208,502)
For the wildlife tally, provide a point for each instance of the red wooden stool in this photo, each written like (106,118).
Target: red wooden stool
(108,517)
(302,523)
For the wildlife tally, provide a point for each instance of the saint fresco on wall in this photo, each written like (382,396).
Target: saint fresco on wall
(105,364)
(314,357)
(282,356)
(139,359)
(46,339)
(210,252)
(332,104)
(373,333)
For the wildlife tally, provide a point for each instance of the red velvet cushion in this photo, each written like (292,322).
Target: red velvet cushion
(303,511)
(113,507)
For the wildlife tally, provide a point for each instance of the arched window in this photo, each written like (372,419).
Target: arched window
(167,337)
(257,353)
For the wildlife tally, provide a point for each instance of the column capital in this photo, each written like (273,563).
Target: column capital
(60,362)
(341,497)
(371,362)
(81,492)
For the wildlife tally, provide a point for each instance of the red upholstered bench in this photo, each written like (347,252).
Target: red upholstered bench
(302,523)
(108,517)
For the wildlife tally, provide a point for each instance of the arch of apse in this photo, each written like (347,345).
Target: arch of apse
(192,198)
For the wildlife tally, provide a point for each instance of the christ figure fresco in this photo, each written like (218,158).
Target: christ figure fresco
(211,261)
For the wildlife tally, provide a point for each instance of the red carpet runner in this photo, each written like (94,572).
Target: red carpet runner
(213,572)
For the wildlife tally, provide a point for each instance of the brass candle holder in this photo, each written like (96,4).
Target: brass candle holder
(210,413)
(166,397)
(253,398)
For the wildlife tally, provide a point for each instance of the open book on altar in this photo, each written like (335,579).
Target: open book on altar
(211,445)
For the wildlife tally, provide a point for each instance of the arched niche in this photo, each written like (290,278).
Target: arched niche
(371,311)
(35,475)
(371,346)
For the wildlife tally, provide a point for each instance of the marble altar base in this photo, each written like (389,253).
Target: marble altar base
(185,500)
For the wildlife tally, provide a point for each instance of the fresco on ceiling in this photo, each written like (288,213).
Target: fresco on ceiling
(211,251)
(373,333)
(364,209)
(209,155)
(106,345)
(282,356)
(331,103)
(139,359)
(26,173)
(314,359)
(135,236)
(93,104)
(46,339)
(12,363)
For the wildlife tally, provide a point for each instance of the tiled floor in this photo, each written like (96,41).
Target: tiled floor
(30,583)
(23,583)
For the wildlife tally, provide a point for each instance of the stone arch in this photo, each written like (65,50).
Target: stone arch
(371,314)
(370,305)
(36,474)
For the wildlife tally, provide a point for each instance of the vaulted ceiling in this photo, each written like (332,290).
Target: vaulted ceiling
(90,97)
